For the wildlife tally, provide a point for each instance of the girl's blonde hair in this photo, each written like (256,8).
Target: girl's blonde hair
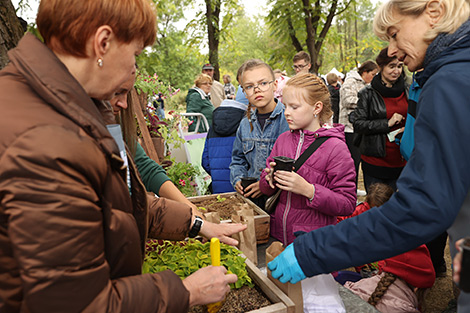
(456,12)
(248,66)
(201,79)
(316,91)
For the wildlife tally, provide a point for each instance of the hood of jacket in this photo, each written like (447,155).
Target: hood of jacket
(227,117)
(336,131)
(354,75)
(199,91)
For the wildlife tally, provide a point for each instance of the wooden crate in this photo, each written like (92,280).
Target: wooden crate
(261,217)
(281,302)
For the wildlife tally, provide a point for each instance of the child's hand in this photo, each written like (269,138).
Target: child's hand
(269,176)
(457,262)
(253,191)
(238,187)
(291,181)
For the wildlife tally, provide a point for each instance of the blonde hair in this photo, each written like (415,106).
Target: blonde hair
(316,91)
(73,22)
(201,79)
(455,13)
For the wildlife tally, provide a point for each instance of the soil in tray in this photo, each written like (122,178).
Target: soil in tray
(239,300)
(226,208)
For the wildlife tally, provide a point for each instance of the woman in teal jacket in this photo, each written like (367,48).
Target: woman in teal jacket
(198,101)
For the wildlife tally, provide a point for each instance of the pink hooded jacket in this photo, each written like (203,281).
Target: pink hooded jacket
(330,169)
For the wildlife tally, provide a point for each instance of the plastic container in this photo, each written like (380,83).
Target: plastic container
(247,181)
(283,163)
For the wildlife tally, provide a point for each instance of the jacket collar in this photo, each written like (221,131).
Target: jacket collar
(279,109)
(445,49)
(52,81)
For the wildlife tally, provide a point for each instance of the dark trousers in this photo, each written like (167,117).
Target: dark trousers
(369,180)
(436,249)
(355,152)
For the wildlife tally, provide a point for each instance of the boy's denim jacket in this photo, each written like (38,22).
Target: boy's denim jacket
(252,148)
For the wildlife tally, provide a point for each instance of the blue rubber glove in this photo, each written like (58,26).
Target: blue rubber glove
(286,268)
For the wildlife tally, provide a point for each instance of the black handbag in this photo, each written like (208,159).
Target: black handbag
(272,200)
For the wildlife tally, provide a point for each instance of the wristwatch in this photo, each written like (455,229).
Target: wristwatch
(198,221)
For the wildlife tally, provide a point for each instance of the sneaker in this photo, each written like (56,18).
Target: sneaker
(361,193)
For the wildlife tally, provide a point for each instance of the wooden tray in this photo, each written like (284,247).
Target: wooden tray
(261,217)
(281,302)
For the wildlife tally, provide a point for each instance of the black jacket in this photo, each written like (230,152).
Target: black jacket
(370,122)
(334,96)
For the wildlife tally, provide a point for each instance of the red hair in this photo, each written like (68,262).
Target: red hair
(71,23)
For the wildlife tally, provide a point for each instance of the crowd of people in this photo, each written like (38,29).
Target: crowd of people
(75,213)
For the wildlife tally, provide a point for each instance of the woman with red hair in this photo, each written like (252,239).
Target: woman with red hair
(73,217)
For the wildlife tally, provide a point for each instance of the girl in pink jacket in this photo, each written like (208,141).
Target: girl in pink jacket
(324,186)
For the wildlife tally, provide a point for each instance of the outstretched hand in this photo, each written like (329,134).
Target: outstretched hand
(222,231)
(286,268)
(208,285)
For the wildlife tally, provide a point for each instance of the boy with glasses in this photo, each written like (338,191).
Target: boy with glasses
(301,62)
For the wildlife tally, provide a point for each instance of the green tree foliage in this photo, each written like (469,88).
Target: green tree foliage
(351,39)
(213,21)
(304,23)
(246,38)
(173,57)
(347,41)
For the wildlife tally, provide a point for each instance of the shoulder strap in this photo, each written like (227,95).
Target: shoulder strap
(310,150)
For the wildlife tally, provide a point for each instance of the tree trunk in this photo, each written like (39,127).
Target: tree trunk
(212,15)
(295,41)
(314,41)
(10,30)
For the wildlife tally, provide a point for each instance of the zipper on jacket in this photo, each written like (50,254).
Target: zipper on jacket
(289,193)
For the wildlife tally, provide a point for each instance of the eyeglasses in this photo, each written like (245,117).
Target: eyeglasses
(299,67)
(210,84)
(263,86)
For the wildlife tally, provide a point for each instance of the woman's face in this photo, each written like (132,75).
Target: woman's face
(119,101)
(368,76)
(206,87)
(118,67)
(407,39)
(392,71)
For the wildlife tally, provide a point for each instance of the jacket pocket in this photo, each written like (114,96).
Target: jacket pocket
(373,145)
(248,146)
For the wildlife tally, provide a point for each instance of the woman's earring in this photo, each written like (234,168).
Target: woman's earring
(100,62)
(315,115)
